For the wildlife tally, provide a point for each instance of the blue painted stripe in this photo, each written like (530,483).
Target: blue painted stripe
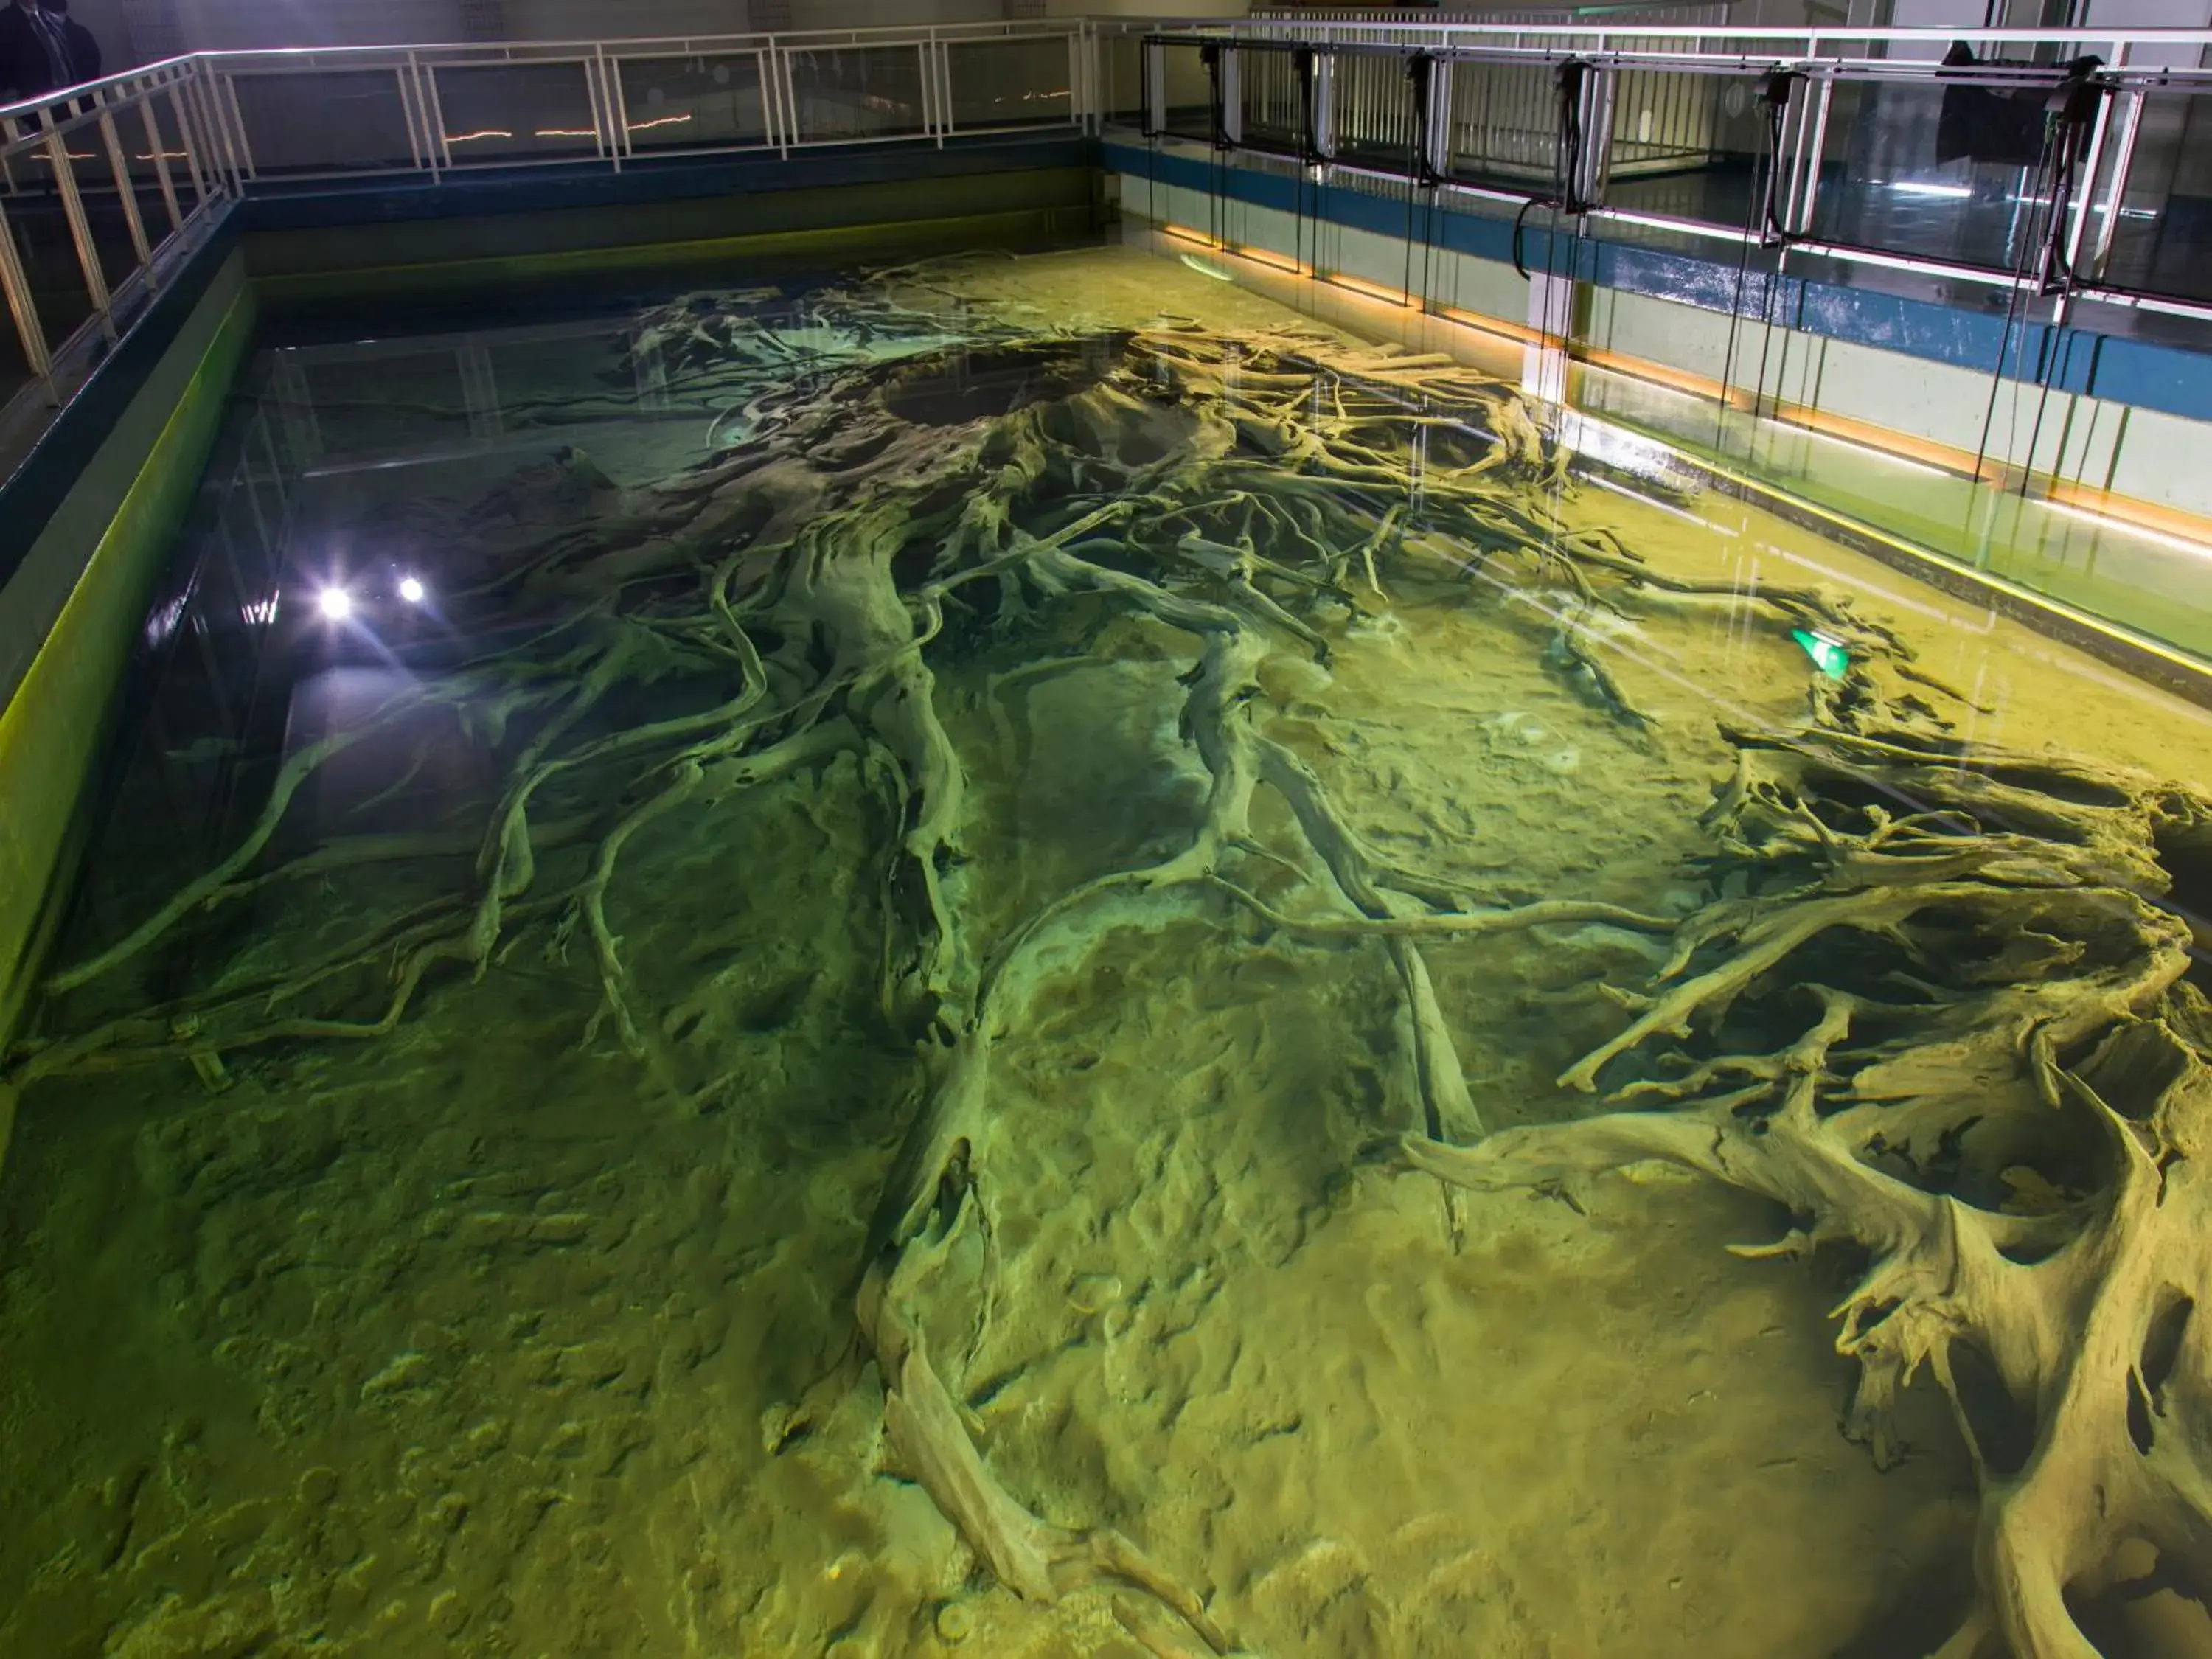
(2143,374)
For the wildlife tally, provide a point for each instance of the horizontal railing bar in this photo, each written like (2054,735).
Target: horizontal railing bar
(2020,77)
(1931,34)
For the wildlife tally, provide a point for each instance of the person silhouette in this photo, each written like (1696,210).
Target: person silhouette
(34,54)
(83,49)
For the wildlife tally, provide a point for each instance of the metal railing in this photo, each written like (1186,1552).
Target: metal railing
(1811,142)
(103,185)
(1830,142)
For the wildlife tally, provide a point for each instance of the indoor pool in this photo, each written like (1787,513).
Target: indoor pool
(1024,955)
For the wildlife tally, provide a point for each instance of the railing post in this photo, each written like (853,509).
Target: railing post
(435,112)
(88,254)
(401,76)
(234,126)
(1809,196)
(161,162)
(772,119)
(932,120)
(1437,141)
(1153,55)
(1597,135)
(24,309)
(1797,123)
(942,52)
(125,193)
(189,139)
(2123,157)
(219,138)
(1232,96)
(781,55)
(601,145)
(1321,140)
(220,172)
(617,104)
(1078,105)
(2088,190)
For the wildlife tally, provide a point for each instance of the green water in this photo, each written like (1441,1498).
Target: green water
(2151,583)
(846,967)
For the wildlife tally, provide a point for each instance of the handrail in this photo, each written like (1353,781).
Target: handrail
(203,127)
(2089,151)
(1925,35)
(138,165)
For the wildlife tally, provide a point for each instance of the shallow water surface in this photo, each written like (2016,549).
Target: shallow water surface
(1024,956)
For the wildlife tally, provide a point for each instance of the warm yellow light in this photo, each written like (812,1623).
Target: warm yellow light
(1389,296)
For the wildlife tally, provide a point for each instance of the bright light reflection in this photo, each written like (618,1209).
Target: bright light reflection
(335,603)
(412,591)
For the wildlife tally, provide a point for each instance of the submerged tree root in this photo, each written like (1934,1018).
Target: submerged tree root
(1967,956)
(2086,1308)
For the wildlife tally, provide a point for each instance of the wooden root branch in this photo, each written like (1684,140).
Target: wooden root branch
(2085,1310)
(1931,945)
(1039,1562)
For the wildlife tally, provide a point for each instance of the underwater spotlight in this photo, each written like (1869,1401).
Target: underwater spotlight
(335,603)
(412,591)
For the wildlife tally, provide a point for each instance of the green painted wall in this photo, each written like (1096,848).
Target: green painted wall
(832,223)
(99,557)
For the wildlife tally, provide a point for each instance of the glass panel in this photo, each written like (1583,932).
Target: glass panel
(857,92)
(1009,83)
(1374,112)
(315,120)
(1189,93)
(1958,172)
(696,101)
(1121,78)
(516,111)
(2163,242)
(1504,125)
(1663,121)
(1274,101)
(1693,146)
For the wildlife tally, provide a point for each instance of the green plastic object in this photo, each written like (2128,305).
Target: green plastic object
(1829,657)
